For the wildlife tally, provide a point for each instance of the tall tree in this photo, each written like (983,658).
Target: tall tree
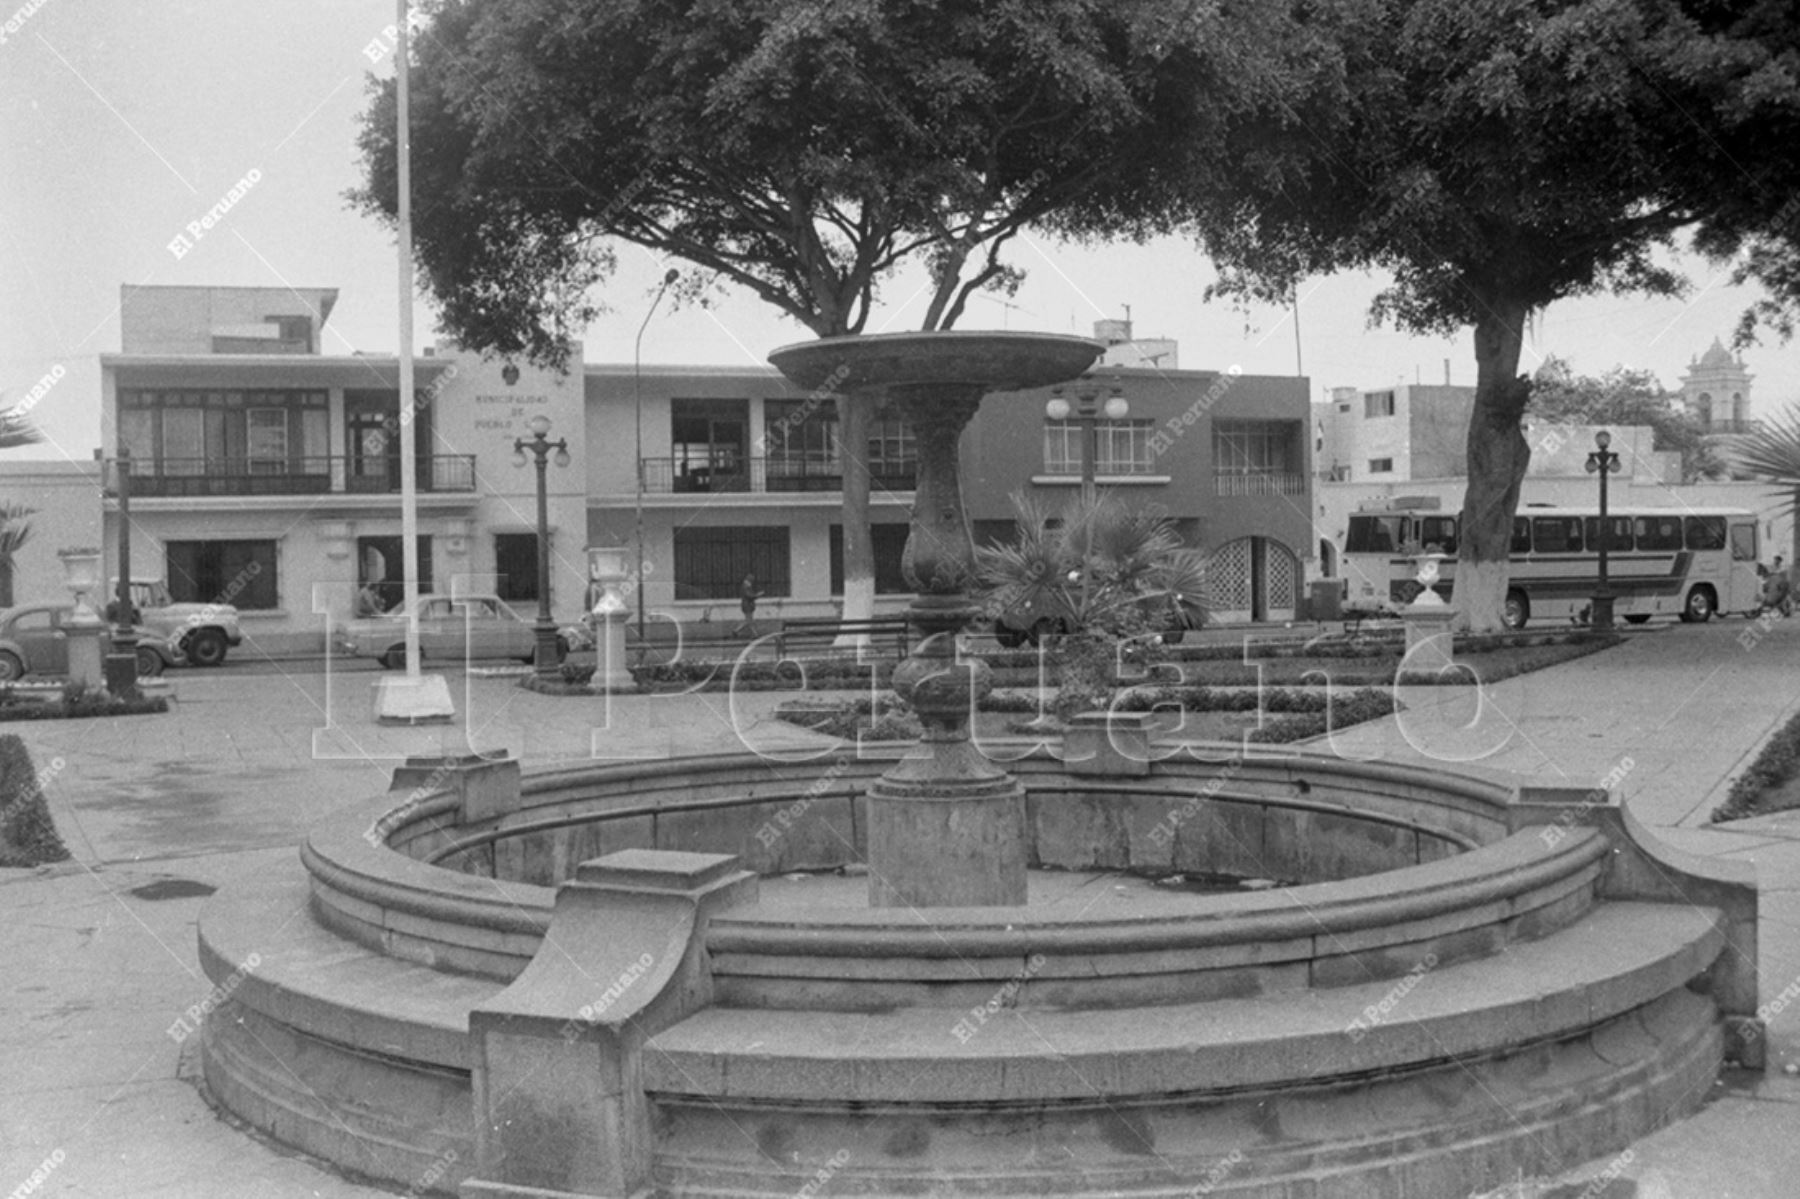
(1494,157)
(1623,396)
(801,149)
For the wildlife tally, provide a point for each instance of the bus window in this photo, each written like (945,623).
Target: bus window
(1374,534)
(1705,532)
(1556,534)
(1521,538)
(1658,532)
(1438,534)
(1620,533)
(1743,543)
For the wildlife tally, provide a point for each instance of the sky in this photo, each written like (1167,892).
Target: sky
(126,121)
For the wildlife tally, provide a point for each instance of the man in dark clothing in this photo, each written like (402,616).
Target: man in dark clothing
(747,597)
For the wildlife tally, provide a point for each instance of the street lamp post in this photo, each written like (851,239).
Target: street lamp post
(540,446)
(1602,462)
(1088,410)
(637,404)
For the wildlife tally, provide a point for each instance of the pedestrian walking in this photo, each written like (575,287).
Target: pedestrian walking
(747,597)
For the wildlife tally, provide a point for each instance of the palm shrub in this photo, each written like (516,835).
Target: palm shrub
(1115,576)
(1773,453)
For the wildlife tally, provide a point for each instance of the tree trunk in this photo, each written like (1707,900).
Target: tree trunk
(859,550)
(1498,455)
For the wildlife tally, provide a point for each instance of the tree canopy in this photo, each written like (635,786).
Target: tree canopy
(1623,396)
(1493,156)
(802,150)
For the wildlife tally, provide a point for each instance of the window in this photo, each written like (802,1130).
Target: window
(516,566)
(1556,534)
(1121,447)
(893,454)
(1253,448)
(711,561)
(889,543)
(224,433)
(268,440)
(707,439)
(1521,537)
(1620,540)
(241,573)
(1659,533)
(1437,534)
(800,444)
(1381,466)
(379,561)
(1743,544)
(1705,532)
(1378,403)
(1374,534)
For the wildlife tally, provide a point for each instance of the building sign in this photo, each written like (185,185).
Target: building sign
(507,412)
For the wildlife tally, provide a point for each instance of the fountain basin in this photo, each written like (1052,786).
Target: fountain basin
(1588,981)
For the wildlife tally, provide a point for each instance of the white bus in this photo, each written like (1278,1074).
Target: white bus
(1683,562)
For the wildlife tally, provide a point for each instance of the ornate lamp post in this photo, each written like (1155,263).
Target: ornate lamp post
(540,446)
(1088,411)
(1603,463)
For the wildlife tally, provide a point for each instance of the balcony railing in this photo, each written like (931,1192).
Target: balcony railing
(1734,426)
(1260,483)
(677,476)
(314,475)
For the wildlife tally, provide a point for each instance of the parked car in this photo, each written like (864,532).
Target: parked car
(186,633)
(34,640)
(451,628)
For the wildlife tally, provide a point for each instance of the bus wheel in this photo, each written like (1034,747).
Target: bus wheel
(1517,610)
(1700,604)
(1637,618)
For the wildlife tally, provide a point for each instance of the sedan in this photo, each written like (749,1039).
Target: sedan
(34,640)
(451,628)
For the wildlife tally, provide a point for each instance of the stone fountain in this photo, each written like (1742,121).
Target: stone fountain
(946,826)
(607,981)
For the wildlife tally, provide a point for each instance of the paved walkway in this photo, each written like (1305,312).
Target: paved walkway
(100,960)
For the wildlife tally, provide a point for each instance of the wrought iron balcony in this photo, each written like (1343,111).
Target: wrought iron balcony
(675,476)
(1270,482)
(310,475)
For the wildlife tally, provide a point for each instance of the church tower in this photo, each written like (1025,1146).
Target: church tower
(1716,391)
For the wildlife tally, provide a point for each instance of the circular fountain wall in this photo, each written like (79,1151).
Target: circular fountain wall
(1092,1041)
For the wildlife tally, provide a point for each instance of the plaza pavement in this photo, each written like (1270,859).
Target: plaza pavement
(96,1077)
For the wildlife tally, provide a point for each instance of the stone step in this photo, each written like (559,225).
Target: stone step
(1619,958)
(301,975)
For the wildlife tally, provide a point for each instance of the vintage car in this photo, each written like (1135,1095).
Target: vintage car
(34,640)
(189,634)
(451,629)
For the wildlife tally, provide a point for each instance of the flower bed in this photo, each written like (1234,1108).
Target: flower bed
(1771,784)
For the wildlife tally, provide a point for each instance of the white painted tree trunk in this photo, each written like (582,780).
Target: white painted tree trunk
(859,549)
(1497,455)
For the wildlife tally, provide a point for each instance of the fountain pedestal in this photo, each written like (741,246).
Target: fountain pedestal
(946,828)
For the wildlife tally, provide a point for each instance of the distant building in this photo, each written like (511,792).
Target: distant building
(1408,431)
(1716,391)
